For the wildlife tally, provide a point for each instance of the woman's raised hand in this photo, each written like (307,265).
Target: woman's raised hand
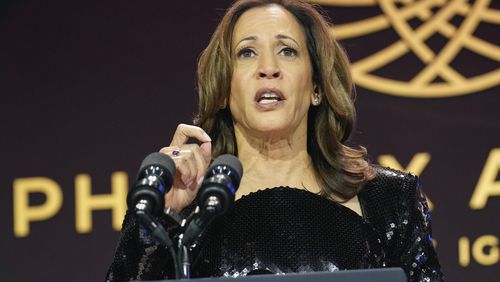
(191,162)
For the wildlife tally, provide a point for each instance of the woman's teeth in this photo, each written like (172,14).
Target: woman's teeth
(267,101)
(268,98)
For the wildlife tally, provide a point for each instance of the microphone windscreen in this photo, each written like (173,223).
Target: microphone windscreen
(230,161)
(159,159)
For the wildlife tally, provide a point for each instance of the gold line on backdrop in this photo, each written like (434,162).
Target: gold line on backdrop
(437,65)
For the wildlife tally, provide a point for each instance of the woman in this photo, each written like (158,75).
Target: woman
(275,91)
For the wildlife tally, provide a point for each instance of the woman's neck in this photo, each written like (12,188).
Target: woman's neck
(273,160)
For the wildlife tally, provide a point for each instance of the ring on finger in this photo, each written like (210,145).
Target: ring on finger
(176,151)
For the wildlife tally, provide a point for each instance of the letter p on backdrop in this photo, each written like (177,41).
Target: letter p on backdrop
(24,213)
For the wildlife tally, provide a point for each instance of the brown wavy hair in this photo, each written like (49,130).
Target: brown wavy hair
(341,170)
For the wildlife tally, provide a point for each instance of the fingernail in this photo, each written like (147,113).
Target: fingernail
(189,184)
(207,137)
(200,180)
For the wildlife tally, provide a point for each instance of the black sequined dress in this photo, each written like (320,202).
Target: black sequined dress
(284,229)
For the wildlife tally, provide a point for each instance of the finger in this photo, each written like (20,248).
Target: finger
(191,161)
(206,152)
(184,170)
(201,163)
(171,151)
(184,132)
(202,153)
(196,162)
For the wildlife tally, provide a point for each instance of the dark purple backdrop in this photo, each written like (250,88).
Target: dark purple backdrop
(93,86)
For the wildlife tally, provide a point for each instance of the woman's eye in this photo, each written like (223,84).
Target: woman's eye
(246,53)
(288,52)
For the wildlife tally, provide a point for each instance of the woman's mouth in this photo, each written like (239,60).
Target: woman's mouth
(269,98)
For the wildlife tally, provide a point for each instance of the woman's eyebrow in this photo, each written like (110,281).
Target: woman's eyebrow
(252,38)
(278,36)
(283,36)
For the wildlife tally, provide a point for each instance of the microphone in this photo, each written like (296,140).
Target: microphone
(154,180)
(216,195)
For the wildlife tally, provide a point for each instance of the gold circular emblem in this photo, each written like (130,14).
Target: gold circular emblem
(437,78)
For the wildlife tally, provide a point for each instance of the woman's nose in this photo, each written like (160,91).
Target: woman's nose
(268,68)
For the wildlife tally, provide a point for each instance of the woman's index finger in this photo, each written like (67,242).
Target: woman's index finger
(185,131)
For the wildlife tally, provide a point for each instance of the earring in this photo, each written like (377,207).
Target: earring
(317,99)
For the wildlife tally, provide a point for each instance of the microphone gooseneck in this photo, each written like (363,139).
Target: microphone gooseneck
(216,194)
(215,197)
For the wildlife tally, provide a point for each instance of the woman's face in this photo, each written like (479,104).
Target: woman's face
(271,85)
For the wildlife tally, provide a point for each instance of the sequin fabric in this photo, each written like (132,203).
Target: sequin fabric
(282,230)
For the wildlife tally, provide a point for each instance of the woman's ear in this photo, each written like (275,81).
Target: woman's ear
(316,97)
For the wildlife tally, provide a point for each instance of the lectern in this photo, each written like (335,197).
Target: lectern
(362,275)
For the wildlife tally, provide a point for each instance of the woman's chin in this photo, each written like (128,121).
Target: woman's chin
(273,129)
